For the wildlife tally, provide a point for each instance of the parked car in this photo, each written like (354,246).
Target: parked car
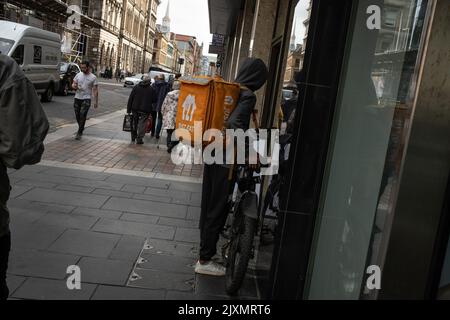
(68,71)
(37,52)
(133,80)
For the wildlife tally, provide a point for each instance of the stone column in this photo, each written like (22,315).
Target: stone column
(263,28)
(247,31)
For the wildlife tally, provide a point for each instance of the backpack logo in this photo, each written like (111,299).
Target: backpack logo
(189,107)
(229,100)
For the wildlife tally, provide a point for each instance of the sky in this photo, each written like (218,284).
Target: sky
(301,14)
(189,17)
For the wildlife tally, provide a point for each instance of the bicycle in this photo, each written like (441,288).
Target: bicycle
(241,228)
(245,221)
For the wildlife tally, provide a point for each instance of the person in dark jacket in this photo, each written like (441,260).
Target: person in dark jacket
(252,75)
(23,128)
(162,89)
(140,104)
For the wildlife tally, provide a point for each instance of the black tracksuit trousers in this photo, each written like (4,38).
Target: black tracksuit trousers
(214,211)
(5,237)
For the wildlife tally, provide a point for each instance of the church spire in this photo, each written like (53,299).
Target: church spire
(166,20)
(168,10)
(293,37)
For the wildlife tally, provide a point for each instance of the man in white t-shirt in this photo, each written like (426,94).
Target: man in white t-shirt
(86,85)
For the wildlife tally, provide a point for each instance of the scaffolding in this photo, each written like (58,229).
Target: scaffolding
(51,15)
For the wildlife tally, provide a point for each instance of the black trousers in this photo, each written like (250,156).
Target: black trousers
(5,237)
(139,121)
(4,196)
(81,111)
(171,144)
(214,210)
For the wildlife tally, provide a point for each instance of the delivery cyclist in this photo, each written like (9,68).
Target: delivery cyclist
(252,76)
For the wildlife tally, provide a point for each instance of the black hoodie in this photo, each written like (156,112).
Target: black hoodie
(251,76)
(142,98)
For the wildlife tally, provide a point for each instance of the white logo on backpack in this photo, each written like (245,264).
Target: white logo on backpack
(189,107)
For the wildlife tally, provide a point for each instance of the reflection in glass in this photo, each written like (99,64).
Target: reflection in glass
(370,130)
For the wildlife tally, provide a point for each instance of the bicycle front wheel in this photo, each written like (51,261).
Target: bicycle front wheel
(240,253)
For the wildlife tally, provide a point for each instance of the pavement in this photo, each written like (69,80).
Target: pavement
(124,214)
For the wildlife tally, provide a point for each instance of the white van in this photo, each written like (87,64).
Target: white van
(38,53)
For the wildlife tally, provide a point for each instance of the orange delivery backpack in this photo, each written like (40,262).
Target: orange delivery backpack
(207,100)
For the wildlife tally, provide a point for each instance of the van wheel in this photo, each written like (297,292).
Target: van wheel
(47,96)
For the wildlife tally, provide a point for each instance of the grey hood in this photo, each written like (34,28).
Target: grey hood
(252,74)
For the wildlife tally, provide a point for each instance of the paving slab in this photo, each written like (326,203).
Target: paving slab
(134,228)
(113,193)
(75,173)
(39,206)
(34,263)
(45,289)
(105,271)
(128,248)
(156,246)
(146,207)
(69,221)
(139,181)
(166,263)
(86,243)
(104,292)
(215,286)
(24,216)
(134,217)
(65,197)
(191,187)
(187,235)
(14,282)
(157,280)
(178,222)
(32,236)
(193,213)
(18,190)
(74,188)
(35,183)
(153,198)
(111,214)
(133,188)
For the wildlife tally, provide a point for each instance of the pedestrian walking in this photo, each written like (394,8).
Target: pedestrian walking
(161,88)
(169,114)
(139,105)
(23,127)
(86,85)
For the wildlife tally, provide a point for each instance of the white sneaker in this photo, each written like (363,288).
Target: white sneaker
(211,268)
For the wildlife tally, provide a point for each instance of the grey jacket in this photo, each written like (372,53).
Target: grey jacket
(23,123)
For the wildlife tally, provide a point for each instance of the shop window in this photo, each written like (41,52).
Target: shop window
(371,126)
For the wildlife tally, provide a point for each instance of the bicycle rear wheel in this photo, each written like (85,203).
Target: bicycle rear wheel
(240,253)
